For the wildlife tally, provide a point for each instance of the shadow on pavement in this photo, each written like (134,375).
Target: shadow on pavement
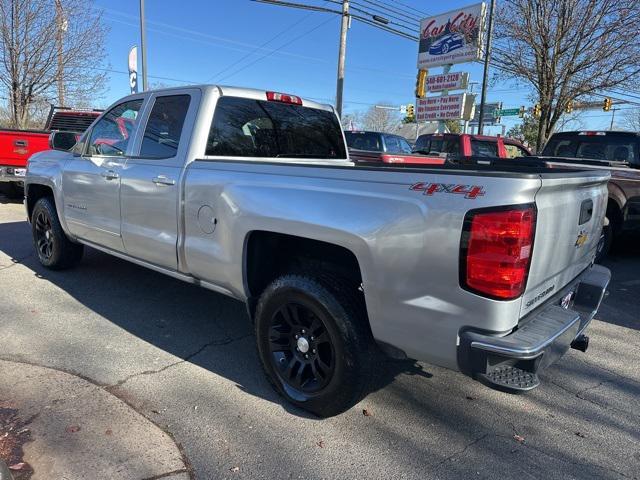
(453,426)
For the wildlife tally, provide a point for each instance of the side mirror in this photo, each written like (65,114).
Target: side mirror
(62,140)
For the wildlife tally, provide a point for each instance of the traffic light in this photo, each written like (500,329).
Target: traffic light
(537,110)
(421,84)
(521,111)
(606,106)
(410,110)
(569,107)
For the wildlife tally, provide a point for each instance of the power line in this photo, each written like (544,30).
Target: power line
(277,49)
(414,23)
(390,8)
(278,35)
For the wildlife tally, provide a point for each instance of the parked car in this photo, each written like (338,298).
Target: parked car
(251,194)
(446,44)
(367,146)
(16,146)
(458,147)
(616,152)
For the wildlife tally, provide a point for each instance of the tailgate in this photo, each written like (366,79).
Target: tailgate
(571,211)
(16,147)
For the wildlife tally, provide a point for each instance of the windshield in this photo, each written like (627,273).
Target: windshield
(364,141)
(243,127)
(594,147)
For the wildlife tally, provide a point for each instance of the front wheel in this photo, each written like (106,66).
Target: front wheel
(314,342)
(55,250)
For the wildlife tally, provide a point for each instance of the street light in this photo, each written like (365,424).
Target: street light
(61,27)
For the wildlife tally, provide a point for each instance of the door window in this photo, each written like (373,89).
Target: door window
(515,151)
(111,135)
(164,127)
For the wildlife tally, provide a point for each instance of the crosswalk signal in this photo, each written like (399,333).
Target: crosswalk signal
(421,84)
(536,110)
(410,110)
(521,111)
(569,107)
(606,106)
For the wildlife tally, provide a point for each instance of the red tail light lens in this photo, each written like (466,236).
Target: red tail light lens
(283,98)
(496,251)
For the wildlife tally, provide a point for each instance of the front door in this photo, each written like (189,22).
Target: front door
(151,179)
(91,179)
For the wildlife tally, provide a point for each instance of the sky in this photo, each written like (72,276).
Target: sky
(250,44)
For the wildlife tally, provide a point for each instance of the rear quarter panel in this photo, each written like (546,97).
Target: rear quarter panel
(407,243)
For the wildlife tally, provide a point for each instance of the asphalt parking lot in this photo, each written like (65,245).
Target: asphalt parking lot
(185,358)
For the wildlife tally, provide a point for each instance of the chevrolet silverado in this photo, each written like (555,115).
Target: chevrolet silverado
(252,194)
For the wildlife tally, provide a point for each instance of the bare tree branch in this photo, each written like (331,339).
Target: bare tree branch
(40,45)
(568,50)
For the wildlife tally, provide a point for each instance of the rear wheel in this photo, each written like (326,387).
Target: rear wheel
(55,250)
(314,342)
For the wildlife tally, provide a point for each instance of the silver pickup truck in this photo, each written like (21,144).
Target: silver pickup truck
(251,194)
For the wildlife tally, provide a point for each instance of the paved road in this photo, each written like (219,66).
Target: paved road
(185,358)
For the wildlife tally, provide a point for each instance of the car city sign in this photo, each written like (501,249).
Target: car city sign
(447,81)
(452,37)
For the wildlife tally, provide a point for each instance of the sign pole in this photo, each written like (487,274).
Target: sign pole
(441,124)
(487,56)
(143,48)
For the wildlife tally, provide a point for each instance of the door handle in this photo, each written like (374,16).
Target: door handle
(109,175)
(163,180)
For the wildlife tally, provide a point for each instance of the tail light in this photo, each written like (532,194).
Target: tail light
(496,251)
(283,98)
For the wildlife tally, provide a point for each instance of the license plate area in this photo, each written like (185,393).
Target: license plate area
(566,301)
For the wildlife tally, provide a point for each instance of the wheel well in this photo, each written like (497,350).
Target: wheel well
(269,255)
(34,193)
(614,214)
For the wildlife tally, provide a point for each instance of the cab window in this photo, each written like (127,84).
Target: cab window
(111,134)
(164,127)
(515,151)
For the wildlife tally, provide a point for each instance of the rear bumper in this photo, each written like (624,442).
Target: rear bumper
(512,362)
(12,174)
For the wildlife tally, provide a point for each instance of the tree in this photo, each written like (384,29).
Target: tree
(567,49)
(632,119)
(351,121)
(380,119)
(453,126)
(50,52)
(527,131)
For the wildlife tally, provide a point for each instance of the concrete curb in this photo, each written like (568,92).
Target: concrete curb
(79,430)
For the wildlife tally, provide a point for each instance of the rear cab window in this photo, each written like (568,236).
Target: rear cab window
(370,141)
(619,148)
(244,127)
(515,151)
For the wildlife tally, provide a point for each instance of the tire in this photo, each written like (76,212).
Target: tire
(328,316)
(55,250)
(604,244)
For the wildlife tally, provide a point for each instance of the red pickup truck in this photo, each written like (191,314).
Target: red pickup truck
(16,146)
(456,147)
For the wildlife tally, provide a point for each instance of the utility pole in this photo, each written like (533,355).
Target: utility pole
(341,56)
(61,27)
(143,47)
(613,116)
(485,79)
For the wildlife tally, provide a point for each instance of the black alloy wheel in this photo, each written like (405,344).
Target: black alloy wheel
(44,236)
(301,349)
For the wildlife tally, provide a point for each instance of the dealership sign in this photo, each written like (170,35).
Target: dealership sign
(453,37)
(449,107)
(447,81)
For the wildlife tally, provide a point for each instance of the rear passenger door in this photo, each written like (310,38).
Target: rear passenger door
(151,179)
